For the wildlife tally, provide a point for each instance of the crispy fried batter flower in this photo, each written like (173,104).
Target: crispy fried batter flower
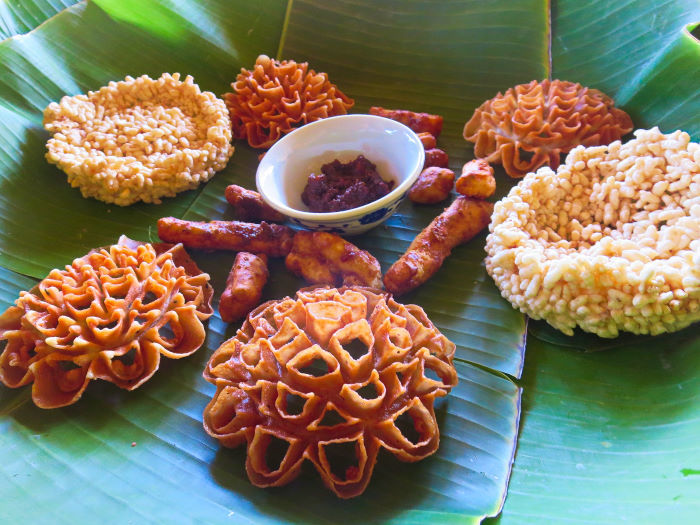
(374,354)
(109,315)
(275,97)
(531,124)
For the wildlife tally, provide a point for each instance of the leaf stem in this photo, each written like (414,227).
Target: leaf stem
(285,25)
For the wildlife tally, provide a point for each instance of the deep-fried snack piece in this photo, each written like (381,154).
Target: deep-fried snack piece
(427,139)
(272,395)
(477,180)
(244,286)
(418,122)
(460,222)
(433,185)
(275,97)
(435,157)
(532,124)
(111,315)
(274,240)
(250,206)
(326,258)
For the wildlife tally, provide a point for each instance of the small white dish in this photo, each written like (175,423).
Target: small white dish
(284,170)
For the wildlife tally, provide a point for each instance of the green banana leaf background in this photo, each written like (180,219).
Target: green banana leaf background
(542,428)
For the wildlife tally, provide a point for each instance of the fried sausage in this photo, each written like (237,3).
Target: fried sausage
(433,186)
(461,221)
(418,122)
(427,139)
(250,206)
(435,157)
(273,240)
(244,286)
(477,180)
(326,258)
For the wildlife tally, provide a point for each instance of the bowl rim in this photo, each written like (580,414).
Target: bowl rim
(352,213)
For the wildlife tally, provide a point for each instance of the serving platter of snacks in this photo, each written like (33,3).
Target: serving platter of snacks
(477,301)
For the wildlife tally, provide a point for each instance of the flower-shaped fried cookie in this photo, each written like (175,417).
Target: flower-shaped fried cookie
(275,97)
(532,124)
(109,315)
(331,376)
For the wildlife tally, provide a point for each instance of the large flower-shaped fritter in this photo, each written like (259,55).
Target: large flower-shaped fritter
(532,124)
(330,376)
(275,97)
(109,315)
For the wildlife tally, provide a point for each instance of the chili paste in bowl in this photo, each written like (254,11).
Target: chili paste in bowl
(384,155)
(343,186)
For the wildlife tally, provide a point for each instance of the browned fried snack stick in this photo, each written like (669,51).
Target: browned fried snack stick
(477,180)
(418,122)
(435,157)
(326,258)
(250,206)
(428,140)
(460,222)
(433,185)
(273,240)
(244,286)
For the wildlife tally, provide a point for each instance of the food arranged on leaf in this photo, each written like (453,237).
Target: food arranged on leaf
(331,376)
(139,139)
(421,123)
(345,185)
(457,224)
(275,97)
(532,124)
(477,180)
(274,240)
(327,258)
(608,242)
(110,315)
(433,185)
(244,286)
(250,206)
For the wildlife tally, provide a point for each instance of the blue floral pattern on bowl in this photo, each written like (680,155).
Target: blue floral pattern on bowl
(351,226)
(374,216)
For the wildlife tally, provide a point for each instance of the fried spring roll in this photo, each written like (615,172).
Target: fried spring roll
(327,258)
(418,122)
(273,240)
(461,221)
(250,206)
(244,286)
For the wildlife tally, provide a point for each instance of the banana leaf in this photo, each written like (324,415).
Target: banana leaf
(143,456)
(17,17)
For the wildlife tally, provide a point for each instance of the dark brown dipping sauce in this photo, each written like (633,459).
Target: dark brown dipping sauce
(343,186)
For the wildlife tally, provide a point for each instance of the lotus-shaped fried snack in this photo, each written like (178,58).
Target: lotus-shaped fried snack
(330,376)
(275,97)
(532,124)
(109,315)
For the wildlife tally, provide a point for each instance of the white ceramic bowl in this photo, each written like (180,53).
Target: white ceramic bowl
(284,170)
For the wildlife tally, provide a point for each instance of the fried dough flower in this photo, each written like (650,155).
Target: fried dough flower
(275,97)
(332,376)
(139,139)
(531,124)
(109,315)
